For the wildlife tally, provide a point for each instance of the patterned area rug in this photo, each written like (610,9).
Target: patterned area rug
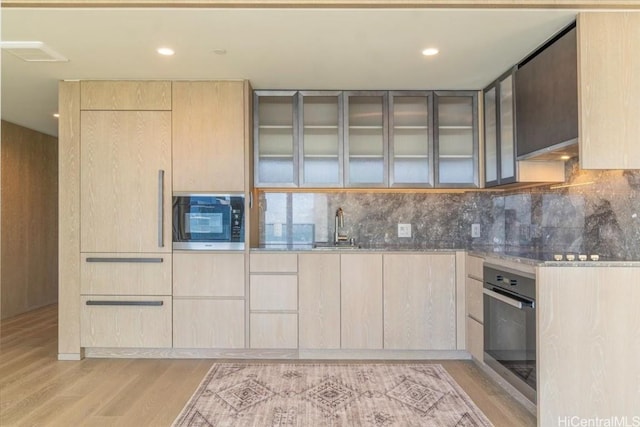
(329,395)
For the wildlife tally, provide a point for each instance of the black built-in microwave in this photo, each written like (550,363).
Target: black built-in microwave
(208,221)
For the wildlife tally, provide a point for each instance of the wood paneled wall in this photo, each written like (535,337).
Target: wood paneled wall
(29,253)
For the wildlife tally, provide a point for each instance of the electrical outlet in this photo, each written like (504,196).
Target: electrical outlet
(475,230)
(404,230)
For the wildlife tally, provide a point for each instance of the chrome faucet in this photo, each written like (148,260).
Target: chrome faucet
(339,237)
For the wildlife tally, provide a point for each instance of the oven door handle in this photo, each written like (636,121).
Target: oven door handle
(508,300)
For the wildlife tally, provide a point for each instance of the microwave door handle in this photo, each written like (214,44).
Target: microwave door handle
(160,208)
(503,298)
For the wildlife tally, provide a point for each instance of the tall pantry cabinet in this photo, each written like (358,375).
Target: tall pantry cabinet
(209,130)
(122,143)
(124,214)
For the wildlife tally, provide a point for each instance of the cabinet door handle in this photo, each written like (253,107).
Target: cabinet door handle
(140,260)
(127,303)
(160,208)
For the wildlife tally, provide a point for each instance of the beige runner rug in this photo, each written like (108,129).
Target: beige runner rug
(335,395)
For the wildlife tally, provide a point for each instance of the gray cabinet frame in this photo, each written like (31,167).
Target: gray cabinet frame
(430,160)
(496,85)
(300,112)
(474,96)
(385,136)
(256,137)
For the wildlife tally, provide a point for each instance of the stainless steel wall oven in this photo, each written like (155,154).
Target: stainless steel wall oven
(510,327)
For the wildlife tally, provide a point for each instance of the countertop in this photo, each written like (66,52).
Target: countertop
(525,256)
(545,259)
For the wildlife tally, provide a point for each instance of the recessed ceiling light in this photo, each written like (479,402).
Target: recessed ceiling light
(430,51)
(565,157)
(56,115)
(166,51)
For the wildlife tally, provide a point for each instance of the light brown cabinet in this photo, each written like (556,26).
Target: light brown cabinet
(125,215)
(125,274)
(419,301)
(208,323)
(125,321)
(273,301)
(134,95)
(609,89)
(361,301)
(208,300)
(209,147)
(475,307)
(125,181)
(206,274)
(319,306)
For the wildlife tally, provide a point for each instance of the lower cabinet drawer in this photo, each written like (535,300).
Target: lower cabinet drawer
(475,306)
(273,292)
(125,274)
(125,321)
(200,323)
(274,330)
(475,338)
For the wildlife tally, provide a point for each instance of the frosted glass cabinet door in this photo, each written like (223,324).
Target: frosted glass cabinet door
(410,147)
(276,138)
(507,131)
(499,132)
(456,130)
(320,139)
(366,149)
(490,137)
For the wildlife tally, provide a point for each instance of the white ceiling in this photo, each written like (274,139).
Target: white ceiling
(273,48)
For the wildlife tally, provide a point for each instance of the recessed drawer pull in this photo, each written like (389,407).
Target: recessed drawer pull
(134,260)
(128,303)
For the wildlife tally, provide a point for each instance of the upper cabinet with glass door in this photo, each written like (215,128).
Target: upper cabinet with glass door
(410,139)
(365,145)
(456,136)
(365,139)
(320,139)
(275,138)
(499,139)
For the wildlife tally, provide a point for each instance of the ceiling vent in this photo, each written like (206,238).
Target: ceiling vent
(32,51)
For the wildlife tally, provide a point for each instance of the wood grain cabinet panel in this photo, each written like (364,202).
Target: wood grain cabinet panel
(474,266)
(200,274)
(588,343)
(273,263)
(208,323)
(125,95)
(274,330)
(474,299)
(361,301)
(475,338)
(116,321)
(273,292)
(122,154)
(125,274)
(319,301)
(609,90)
(209,136)
(419,302)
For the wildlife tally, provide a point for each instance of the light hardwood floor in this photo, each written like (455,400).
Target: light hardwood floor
(38,390)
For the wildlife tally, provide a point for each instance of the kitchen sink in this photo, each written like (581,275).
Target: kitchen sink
(336,246)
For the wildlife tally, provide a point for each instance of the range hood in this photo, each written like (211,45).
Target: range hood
(561,151)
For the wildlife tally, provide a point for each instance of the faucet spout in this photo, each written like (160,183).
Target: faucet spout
(339,237)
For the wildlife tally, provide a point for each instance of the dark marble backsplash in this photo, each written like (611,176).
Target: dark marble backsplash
(597,212)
